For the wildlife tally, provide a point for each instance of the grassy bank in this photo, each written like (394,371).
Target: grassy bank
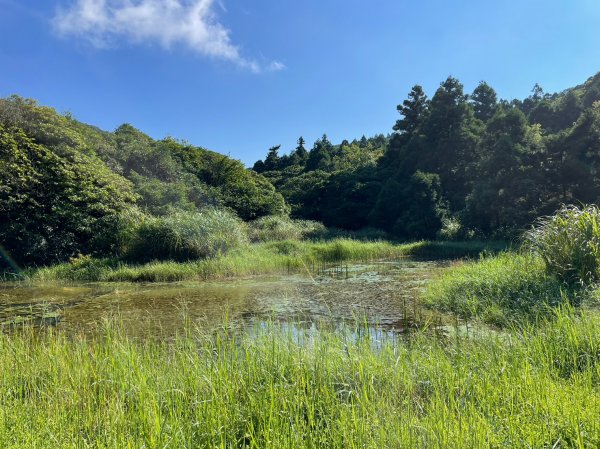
(280,390)
(558,263)
(254,259)
(501,290)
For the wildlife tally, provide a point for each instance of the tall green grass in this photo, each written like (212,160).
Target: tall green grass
(510,288)
(186,235)
(569,243)
(560,264)
(278,228)
(181,235)
(263,258)
(278,389)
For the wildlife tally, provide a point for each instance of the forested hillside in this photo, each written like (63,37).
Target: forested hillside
(457,165)
(65,185)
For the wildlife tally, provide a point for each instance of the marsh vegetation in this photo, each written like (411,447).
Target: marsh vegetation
(536,387)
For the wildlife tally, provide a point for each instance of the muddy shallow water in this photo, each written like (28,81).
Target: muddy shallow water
(380,294)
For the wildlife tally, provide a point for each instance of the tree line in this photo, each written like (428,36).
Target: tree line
(456,165)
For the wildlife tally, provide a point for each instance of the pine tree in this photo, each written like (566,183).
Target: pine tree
(272,160)
(413,110)
(319,157)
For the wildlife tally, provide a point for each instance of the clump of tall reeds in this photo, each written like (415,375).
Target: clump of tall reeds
(559,261)
(278,228)
(506,289)
(569,243)
(180,235)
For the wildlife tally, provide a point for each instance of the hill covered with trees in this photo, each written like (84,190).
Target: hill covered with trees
(65,184)
(457,165)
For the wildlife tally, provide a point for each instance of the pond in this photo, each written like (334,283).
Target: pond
(382,295)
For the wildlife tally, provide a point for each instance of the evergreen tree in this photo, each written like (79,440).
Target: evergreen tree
(301,152)
(259,166)
(319,157)
(451,137)
(413,111)
(404,148)
(272,160)
(484,101)
(506,194)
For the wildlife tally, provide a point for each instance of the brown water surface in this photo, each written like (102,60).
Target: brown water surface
(380,294)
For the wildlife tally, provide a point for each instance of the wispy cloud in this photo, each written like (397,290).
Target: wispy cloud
(193,23)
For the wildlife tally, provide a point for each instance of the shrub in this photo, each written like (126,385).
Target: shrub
(278,228)
(51,202)
(569,243)
(451,229)
(178,236)
(188,235)
(116,234)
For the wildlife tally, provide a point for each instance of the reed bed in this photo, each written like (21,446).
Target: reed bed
(262,258)
(569,243)
(506,289)
(274,388)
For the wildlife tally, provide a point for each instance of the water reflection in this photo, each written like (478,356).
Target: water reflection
(381,295)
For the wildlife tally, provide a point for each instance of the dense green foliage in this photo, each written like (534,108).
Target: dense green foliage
(488,167)
(559,263)
(457,166)
(274,228)
(569,244)
(52,203)
(278,389)
(177,236)
(64,186)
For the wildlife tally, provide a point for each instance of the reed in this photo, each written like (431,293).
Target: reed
(510,288)
(275,388)
(569,243)
(248,260)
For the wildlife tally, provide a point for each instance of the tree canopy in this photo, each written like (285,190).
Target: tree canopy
(491,165)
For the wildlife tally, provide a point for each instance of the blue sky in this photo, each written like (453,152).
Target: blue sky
(239,76)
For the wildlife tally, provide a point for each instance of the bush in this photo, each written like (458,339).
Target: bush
(116,234)
(136,236)
(451,229)
(569,243)
(51,203)
(278,228)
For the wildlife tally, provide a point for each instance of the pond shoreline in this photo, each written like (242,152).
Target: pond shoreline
(257,259)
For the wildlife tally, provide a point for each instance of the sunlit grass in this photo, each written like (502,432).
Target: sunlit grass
(277,389)
(505,289)
(569,243)
(263,258)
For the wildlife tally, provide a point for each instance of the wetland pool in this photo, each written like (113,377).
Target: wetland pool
(380,294)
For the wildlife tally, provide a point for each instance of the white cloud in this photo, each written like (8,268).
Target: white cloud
(275,66)
(166,22)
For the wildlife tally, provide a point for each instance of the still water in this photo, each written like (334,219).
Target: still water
(379,294)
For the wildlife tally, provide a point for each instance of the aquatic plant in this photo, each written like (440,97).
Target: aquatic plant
(255,259)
